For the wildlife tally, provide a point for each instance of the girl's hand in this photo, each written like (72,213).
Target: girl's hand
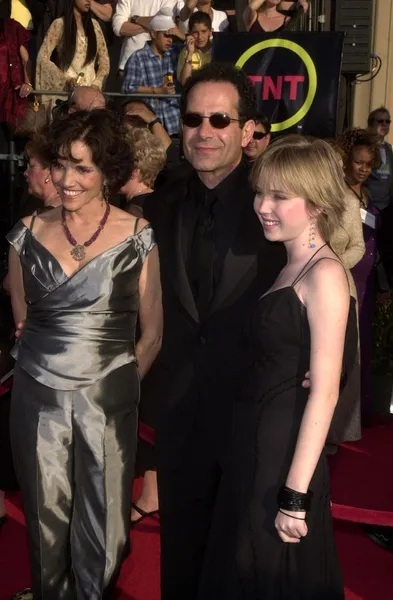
(291,530)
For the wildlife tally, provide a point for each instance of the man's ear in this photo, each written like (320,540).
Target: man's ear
(247,133)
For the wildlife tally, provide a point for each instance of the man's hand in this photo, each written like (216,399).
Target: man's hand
(175,32)
(168,88)
(19,329)
(191,4)
(307,383)
(140,110)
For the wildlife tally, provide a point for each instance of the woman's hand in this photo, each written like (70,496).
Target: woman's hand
(24,90)
(290,529)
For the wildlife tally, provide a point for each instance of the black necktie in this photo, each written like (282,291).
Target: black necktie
(203,254)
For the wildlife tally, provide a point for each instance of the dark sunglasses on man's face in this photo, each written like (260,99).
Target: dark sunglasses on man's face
(259,135)
(216,120)
(384,121)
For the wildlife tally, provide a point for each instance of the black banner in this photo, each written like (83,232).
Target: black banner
(296,76)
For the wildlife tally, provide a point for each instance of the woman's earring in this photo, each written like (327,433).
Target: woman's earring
(311,235)
(47,180)
(105,192)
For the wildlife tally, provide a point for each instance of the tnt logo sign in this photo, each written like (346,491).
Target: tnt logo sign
(283,85)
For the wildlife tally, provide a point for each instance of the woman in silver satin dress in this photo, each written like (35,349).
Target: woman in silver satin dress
(89,270)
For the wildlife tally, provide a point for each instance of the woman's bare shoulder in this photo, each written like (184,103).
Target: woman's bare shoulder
(128,221)
(40,219)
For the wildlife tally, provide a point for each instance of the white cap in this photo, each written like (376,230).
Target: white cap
(163,20)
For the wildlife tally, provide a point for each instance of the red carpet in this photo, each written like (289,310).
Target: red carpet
(368,570)
(362,490)
(361,478)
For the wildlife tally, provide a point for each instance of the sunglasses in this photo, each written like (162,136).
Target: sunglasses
(384,121)
(216,120)
(258,135)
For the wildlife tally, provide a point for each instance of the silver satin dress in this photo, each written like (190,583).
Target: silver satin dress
(74,414)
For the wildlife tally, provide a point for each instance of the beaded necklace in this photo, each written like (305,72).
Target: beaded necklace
(78,251)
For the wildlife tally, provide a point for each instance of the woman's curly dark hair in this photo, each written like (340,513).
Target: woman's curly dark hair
(359,138)
(104,134)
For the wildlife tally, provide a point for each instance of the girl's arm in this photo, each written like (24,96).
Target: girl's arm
(250,13)
(326,296)
(325,293)
(46,70)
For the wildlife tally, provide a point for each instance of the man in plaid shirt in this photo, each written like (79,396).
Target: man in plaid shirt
(147,69)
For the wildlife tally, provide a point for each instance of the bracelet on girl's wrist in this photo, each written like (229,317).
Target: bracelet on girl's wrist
(291,516)
(293,501)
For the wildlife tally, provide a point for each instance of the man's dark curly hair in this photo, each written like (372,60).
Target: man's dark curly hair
(222,73)
(104,134)
(359,138)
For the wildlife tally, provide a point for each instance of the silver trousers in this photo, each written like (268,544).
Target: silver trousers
(74,453)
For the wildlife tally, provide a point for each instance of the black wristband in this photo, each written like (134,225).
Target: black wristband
(154,122)
(293,501)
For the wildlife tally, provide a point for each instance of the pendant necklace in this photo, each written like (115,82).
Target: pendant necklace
(78,251)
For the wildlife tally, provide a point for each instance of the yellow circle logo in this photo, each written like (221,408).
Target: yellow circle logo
(311,72)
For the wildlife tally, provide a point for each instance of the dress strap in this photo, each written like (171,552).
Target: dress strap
(136,225)
(303,271)
(33,218)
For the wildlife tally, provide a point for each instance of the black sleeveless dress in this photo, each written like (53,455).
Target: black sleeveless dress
(248,560)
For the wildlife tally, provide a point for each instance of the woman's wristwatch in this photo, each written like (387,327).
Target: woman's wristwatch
(134,19)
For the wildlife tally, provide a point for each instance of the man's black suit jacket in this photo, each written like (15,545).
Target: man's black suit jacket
(201,367)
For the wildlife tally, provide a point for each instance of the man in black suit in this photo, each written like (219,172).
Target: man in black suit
(215,264)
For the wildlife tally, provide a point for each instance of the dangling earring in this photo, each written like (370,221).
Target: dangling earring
(105,192)
(311,235)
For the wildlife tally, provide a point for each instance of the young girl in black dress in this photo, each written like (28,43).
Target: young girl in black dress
(279,537)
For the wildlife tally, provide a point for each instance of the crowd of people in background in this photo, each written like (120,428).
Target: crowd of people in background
(329,202)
